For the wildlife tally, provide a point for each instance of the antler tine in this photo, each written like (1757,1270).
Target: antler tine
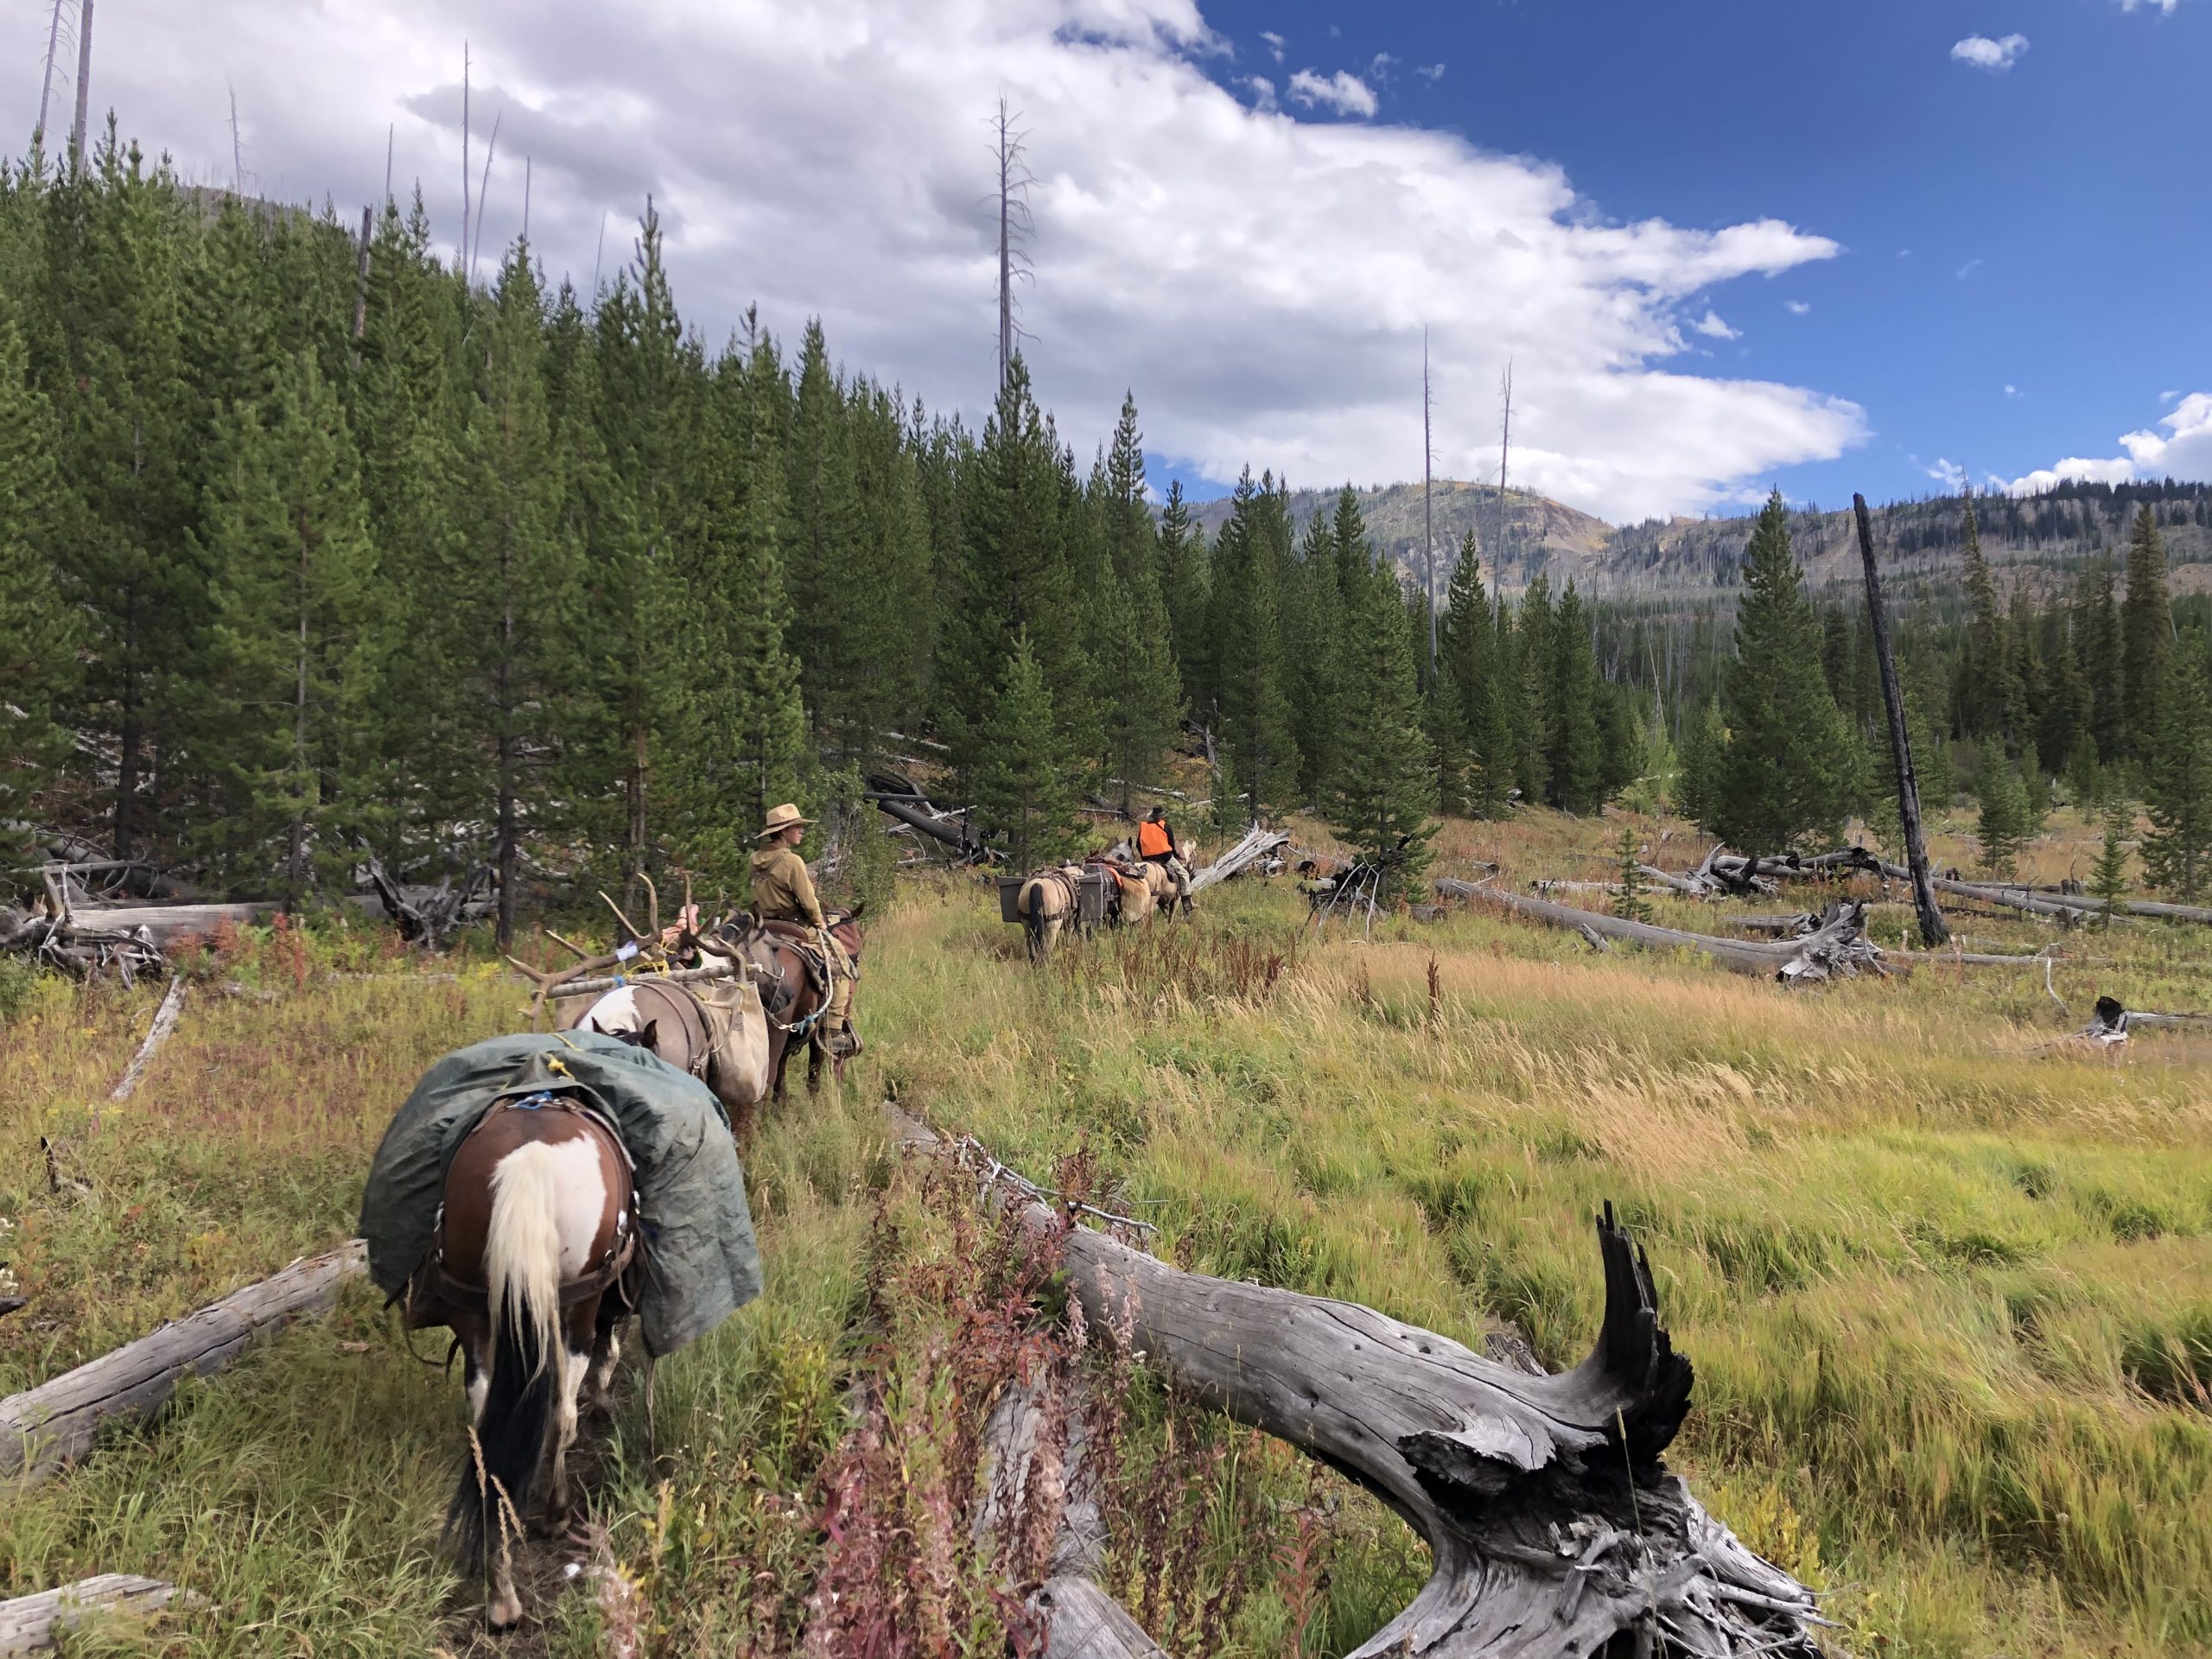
(629,926)
(581,952)
(652,897)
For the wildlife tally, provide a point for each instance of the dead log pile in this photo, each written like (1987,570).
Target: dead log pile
(1553,1524)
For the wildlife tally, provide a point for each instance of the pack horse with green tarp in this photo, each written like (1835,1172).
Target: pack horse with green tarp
(696,1260)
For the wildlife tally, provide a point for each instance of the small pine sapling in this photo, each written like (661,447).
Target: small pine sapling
(1631,905)
(2108,880)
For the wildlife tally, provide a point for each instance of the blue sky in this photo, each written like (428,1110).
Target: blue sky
(2045,228)
(1624,198)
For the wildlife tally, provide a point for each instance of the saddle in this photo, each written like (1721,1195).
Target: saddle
(800,938)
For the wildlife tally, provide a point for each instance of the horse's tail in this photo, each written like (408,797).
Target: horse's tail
(522,1279)
(1029,905)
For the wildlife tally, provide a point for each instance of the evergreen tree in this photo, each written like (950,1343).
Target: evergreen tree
(1183,581)
(1013,582)
(1250,702)
(1383,789)
(1533,656)
(126,421)
(2097,633)
(2146,634)
(1577,762)
(1471,669)
(1990,696)
(1140,702)
(732,724)
(2003,823)
(1698,796)
(1025,800)
(893,611)
(1786,774)
(38,655)
(1313,647)
(2108,882)
(505,591)
(280,727)
(2177,778)
(825,560)
(1631,904)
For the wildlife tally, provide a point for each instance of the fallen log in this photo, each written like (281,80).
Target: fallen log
(1253,845)
(1839,948)
(165,1017)
(35,1623)
(1081,1620)
(57,1422)
(1553,1524)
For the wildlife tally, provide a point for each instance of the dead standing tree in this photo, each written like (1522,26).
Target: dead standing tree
(1933,932)
(1015,179)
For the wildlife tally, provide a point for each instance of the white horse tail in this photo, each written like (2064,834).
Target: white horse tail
(522,1256)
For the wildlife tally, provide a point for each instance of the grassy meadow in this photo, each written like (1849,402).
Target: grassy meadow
(1945,1278)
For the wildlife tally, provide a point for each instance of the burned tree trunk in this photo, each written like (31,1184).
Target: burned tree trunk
(1933,932)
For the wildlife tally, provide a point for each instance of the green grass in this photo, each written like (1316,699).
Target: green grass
(1946,1282)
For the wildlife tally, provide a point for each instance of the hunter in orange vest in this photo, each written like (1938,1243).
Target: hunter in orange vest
(1156,845)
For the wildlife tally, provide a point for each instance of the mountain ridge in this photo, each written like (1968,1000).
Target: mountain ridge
(1681,557)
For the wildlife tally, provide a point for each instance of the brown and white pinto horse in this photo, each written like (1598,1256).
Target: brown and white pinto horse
(538,1226)
(781,953)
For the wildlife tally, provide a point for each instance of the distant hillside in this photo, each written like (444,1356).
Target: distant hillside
(1686,559)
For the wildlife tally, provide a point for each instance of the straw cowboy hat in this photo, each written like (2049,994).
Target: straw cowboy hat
(780,818)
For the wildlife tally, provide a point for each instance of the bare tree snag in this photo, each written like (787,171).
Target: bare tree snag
(165,1019)
(35,1623)
(55,1423)
(1933,932)
(1554,1526)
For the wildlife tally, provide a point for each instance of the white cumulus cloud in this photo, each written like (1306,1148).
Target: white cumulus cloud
(1948,474)
(1274,42)
(2185,451)
(1712,328)
(2166,6)
(1261,281)
(1430,71)
(1343,92)
(1262,91)
(1995,56)
(1797,308)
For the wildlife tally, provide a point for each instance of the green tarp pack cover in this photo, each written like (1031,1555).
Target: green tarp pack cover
(702,1261)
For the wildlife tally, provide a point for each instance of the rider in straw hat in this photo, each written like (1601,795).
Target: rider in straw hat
(783,891)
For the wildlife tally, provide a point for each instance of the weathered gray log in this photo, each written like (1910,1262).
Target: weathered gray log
(1081,1620)
(1838,947)
(35,1623)
(165,1019)
(165,922)
(1254,845)
(1552,1523)
(57,1422)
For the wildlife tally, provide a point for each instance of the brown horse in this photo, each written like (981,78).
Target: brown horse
(782,955)
(539,1224)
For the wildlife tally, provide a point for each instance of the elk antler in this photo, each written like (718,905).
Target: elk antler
(548,983)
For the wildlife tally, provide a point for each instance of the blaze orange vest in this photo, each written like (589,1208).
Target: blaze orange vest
(1151,840)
